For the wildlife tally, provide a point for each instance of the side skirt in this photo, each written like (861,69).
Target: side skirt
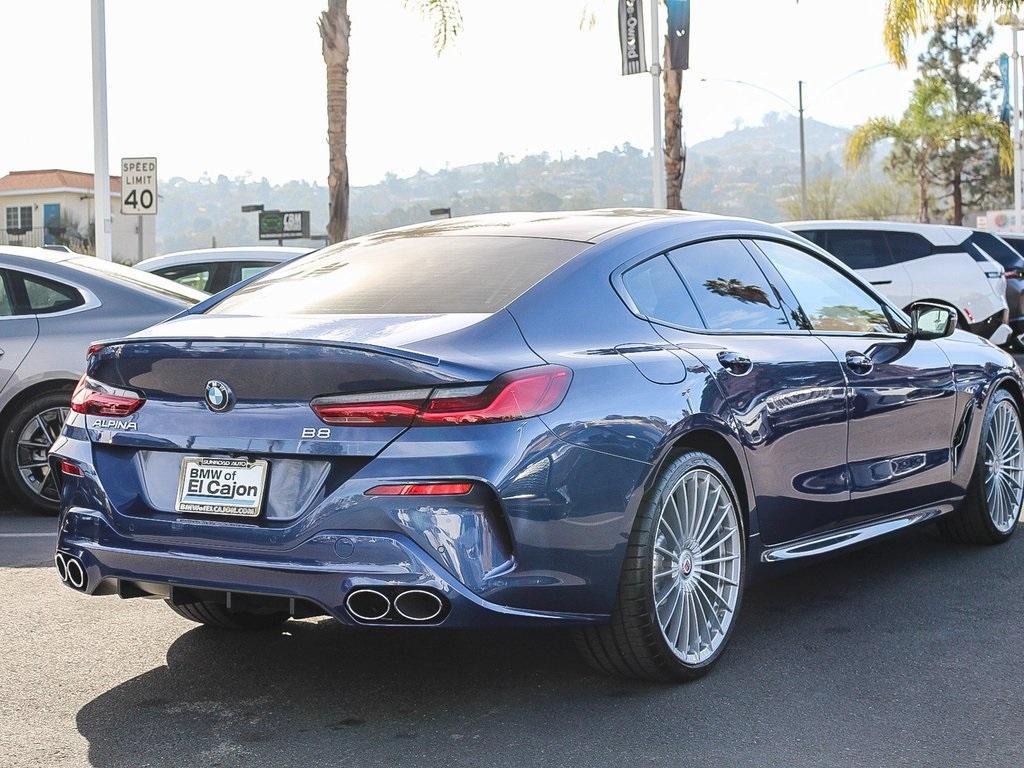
(830,542)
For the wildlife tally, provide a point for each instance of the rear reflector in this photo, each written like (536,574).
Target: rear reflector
(421,489)
(97,399)
(511,396)
(72,470)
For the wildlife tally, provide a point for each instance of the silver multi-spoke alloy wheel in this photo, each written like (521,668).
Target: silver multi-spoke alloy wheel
(34,442)
(1004,467)
(696,570)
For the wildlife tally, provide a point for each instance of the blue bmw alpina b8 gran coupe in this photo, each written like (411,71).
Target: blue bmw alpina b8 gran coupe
(606,420)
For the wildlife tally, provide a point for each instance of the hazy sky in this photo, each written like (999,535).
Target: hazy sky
(237,86)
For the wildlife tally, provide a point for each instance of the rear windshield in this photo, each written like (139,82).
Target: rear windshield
(153,284)
(404,273)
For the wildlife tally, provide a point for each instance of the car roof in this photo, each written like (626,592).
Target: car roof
(43,255)
(578,226)
(272,253)
(936,234)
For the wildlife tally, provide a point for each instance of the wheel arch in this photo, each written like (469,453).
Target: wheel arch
(716,440)
(33,390)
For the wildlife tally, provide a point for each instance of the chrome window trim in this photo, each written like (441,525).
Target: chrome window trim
(90,300)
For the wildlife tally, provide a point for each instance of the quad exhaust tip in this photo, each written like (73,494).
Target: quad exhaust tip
(70,570)
(418,605)
(405,605)
(368,604)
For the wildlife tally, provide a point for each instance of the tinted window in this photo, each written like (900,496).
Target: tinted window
(404,273)
(829,299)
(859,249)
(1017,243)
(994,248)
(728,286)
(6,300)
(46,296)
(907,246)
(658,293)
(139,279)
(195,276)
(816,236)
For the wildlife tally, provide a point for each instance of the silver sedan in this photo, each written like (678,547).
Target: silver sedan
(52,306)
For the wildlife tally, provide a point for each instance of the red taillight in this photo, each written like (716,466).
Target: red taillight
(1013,274)
(384,409)
(72,470)
(514,395)
(421,489)
(95,399)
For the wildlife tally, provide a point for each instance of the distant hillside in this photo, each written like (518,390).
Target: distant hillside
(744,172)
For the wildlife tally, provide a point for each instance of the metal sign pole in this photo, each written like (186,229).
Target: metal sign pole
(101,178)
(657,152)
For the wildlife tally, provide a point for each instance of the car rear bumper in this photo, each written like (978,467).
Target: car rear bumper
(321,571)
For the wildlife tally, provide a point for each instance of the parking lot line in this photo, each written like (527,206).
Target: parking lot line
(26,535)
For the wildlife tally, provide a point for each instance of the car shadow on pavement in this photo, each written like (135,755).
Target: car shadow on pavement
(851,653)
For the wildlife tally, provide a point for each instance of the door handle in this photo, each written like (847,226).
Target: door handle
(881,282)
(737,365)
(859,363)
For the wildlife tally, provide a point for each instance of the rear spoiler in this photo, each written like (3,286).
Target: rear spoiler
(404,354)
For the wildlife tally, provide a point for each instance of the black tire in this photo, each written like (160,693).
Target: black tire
(633,643)
(23,493)
(217,615)
(972,523)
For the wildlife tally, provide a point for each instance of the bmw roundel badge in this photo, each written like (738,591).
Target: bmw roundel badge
(219,396)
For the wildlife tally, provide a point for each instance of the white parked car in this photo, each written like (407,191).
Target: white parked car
(921,262)
(214,269)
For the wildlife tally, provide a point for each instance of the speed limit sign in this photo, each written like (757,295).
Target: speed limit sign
(138,186)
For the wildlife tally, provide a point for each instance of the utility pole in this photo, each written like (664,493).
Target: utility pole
(803,154)
(657,153)
(101,179)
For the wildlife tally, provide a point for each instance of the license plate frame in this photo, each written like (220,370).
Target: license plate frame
(251,505)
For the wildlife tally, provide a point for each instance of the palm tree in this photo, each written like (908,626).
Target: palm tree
(929,126)
(907,18)
(335,28)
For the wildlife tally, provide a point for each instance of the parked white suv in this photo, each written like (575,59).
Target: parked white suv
(921,262)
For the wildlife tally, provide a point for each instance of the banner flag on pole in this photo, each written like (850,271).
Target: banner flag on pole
(1004,73)
(631,37)
(679,33)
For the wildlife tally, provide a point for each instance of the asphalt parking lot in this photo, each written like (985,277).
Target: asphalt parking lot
(905,653)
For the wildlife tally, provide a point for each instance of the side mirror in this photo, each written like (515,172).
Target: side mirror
(931,321)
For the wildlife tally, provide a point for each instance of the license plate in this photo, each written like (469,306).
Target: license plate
(212,486)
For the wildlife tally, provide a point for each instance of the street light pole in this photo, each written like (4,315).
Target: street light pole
(1016,134)
(101,177)
(657,153)
(803,154)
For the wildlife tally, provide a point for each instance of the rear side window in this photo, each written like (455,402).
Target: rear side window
(859,249)
(404,273)
(728,286)
(659,294)
(1017,243)
(48,296)
(907,246)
